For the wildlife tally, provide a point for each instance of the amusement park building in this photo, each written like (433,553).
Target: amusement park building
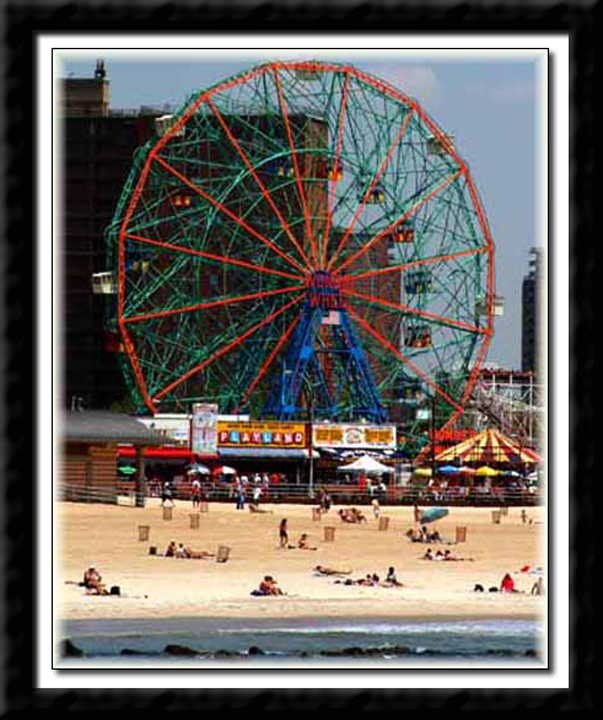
(97,155)
(531,288)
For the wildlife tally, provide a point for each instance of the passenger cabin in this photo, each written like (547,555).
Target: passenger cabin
(498,306)
(417,282)
(435,146)
(181,200)
(165,123)
(103,283)
(409,390)
(417,336)
(335,171)
(114,342)
(404,233)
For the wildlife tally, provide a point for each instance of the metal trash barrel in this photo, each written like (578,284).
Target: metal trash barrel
(143,532)
(329,534)
(383,523)
(461,534)
(194,521)
(496,517)
(316,514)
(167,512)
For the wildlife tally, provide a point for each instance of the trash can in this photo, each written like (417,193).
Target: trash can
(316,514)
(329,534)
(167,512)
(383,523)
(152,550)
(461,534)
(496,517)
(194,521)
(143,532)
(223,553)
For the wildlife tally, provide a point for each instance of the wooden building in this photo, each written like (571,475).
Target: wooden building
(88,454)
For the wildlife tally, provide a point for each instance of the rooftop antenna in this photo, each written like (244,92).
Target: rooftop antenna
(100,73)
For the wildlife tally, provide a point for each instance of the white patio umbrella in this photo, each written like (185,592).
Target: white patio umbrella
(367,464)
(197,468)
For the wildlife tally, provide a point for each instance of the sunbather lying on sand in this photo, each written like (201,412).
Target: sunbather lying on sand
(255,508)
(322,570)
(449,556)
(351,515)
(198,554)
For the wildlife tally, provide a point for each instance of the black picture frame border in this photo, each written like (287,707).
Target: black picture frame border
(23,22)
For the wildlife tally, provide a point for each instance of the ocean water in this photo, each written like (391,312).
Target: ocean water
(219,641)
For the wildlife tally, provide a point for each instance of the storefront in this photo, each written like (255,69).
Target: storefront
(265,447)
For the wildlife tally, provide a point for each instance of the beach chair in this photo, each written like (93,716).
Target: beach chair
(223,553)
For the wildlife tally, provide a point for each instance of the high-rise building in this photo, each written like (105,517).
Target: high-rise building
(97,148)
(530,331)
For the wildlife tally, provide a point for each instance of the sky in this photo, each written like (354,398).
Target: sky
(490,104)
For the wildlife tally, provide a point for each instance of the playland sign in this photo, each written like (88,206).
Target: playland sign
(257,434)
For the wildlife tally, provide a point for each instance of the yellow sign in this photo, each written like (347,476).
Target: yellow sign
(361,436)
(266,434)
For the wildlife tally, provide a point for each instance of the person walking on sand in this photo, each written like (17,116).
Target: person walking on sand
(283,534)
(196,493)
(166,493)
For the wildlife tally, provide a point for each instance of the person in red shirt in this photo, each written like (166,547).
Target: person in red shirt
(507,584)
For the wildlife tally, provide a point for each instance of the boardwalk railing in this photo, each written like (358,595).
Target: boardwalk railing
(124,494)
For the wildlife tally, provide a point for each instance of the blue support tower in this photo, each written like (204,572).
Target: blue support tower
(325,372)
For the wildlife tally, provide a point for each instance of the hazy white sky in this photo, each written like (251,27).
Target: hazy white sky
(490,105)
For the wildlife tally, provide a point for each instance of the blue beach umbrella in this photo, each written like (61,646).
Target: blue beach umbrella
(449,469)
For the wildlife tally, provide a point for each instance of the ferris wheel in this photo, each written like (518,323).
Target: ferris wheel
(301,239)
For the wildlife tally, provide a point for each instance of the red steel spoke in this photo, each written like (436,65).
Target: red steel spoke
(413,311)
(404,359)
(298,181)
(228,212)
(237,341)
(269,361)
(260,184)
(409,213)
(215,303)
(370,188)
(405,266)
(133,358)
(210,256)
(344,103)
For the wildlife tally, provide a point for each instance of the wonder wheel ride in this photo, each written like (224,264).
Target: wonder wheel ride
(301,240)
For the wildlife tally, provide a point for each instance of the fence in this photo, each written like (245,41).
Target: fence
(124,494)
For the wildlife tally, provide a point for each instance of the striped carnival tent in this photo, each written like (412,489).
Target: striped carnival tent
(489,446)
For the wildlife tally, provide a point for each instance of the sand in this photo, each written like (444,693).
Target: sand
(159,587)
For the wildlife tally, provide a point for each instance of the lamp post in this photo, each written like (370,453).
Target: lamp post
(310,401)
(432,423)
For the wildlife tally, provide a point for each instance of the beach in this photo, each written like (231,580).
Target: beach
(156,587)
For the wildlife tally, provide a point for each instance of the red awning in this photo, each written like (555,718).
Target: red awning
(163,453)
